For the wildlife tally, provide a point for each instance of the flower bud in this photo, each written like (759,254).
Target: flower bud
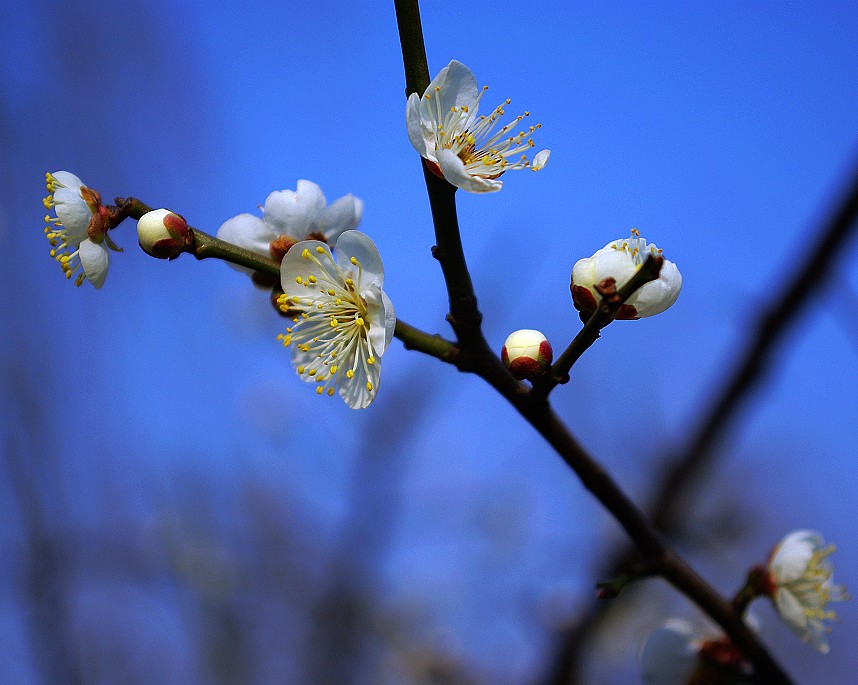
(164,234)
(527,354)
(620,260)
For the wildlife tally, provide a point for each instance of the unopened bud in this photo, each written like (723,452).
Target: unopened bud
(527,354)
(164,234)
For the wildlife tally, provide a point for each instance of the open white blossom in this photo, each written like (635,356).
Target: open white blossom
(78,232)
(342,321)
(620,260)
(289,216)
(461,145)
(798,576)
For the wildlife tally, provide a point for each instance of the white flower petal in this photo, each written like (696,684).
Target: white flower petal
(790,558)
(72,211)
(295,213)
(341,215)
(422,137)
(68,179)
(540,160)
(457,87)
(455,173)
(356,391)
(94,259)
(296,266)
(247,231)
(357,245)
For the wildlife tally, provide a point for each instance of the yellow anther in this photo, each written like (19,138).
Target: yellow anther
(68,274)
(350,282)
(334,369)
(320,249)
(350,374)
(359,321)
(331,292)
(353,261)
(79,280)
(369,386)
(370,360)
(311,372)
(334,323)
(319,390)
(330,392)
(311,278)
(299,280)
(305,253)
(301,369)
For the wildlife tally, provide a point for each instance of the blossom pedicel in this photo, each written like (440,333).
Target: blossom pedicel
(342,321)
(798,579)
(620,260)
(458,144)
(527,354)
(78,232)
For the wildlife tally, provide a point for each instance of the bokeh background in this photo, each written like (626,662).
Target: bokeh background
(178,508)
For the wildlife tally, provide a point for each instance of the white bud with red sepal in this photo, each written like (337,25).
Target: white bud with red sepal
(527,354)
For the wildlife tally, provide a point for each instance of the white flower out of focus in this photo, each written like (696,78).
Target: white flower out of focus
(289,216)
(78,232)
(461,145)
(620,260)
(798,578)
(678,653)
(527,354)
(342,321)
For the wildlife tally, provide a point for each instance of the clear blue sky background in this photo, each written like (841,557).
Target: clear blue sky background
(723,132)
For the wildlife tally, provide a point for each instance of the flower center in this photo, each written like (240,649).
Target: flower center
(470,136)
(330,323)
(636,247)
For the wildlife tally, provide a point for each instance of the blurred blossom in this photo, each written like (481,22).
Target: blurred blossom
(457,143)
(342,319)
(620,260)
(679,653)
(798,576)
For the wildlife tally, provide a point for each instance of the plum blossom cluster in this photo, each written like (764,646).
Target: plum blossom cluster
(289,216)
(342,320)
(459,144)
(78,231)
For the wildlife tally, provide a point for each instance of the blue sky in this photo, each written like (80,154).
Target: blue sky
(723,133)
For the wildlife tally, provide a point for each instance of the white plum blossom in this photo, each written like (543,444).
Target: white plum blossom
(342,321)
(620,260)
(527,354)
(78,232)
(461,145)
(798,579)
(289,216)
(680,653)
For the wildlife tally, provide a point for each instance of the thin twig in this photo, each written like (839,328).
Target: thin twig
(476,356)
(669,504)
